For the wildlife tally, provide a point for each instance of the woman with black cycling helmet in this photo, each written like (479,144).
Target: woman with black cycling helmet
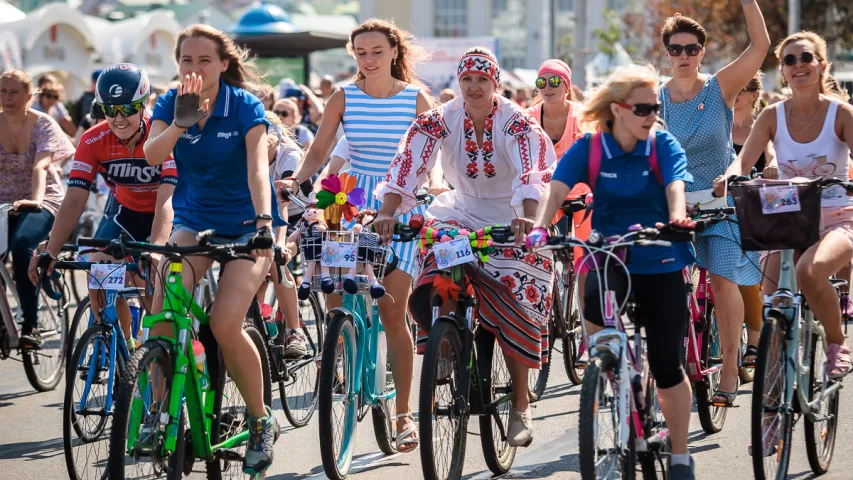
(218,133)
(140,193)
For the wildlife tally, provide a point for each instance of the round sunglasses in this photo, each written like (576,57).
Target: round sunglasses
(675,49)
(641,109)
(791,59)
(554,82)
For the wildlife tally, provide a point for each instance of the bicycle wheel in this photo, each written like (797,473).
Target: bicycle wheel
(44,366)
(230,406)
(600,448)
(652,462)
(85,435)
(337,403)
(142,402)
(298,390)
(747,374)
(79,325)
(771,419)
(820,433)
(496,387)
(70,279)
(574,348)
(384,423)
(712,418)
(442,422)
(537,380)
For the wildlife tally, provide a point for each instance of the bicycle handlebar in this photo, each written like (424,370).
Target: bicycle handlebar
(120,248)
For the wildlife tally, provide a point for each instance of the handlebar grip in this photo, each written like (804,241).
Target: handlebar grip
(45,283)
(93,242)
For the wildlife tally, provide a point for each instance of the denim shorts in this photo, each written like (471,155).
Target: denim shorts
(218,239)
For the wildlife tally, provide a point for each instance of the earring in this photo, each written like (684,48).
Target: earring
(394,61)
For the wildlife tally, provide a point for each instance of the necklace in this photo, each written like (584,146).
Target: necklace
(681,94)
(388,94)
(790,120)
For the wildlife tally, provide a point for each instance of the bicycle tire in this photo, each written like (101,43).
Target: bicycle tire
(711,418)
(297,414)
(337,460)
(746,374)
(79,313)
(50,378)
(537,380)
(572,344)
(495,384)
(70,419)
(443,338)
(140,361)
(819,460)
(771,331)
(70,279)
(595,377)
(230,410)
(651,463)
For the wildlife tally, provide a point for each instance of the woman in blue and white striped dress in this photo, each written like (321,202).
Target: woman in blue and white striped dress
(376,110)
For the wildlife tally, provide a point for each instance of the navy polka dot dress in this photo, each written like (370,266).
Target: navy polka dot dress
(703,126)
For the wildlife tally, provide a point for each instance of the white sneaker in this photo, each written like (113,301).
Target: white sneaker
(519,432)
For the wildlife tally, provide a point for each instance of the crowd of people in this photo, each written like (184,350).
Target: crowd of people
(217,149)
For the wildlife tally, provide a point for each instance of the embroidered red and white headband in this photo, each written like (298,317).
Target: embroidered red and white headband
(480,64)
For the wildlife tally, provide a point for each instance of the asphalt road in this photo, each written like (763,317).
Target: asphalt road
(31,440)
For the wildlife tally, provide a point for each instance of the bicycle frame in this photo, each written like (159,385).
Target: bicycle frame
(790,305)
(698,313)
(8,316)
(178,303)
(366,352)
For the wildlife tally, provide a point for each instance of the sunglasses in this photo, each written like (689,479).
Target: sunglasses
(675,49)
(282,113)
(50,96)
(791,59)
(749,90)
(554,81)
(641,109)
(125,110)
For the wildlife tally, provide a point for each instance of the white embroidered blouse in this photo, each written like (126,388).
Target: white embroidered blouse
(491,181)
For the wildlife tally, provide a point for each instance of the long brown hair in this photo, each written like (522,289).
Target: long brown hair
(408,52)
(241,72)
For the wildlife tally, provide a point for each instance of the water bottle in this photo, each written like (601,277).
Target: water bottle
(201,365)
(381,365)
(135,324)
(266,314)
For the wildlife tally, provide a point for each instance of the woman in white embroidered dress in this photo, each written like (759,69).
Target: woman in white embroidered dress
(499,160)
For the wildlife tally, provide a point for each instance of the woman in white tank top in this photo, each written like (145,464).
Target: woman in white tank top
(813,135)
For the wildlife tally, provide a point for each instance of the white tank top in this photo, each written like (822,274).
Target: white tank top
(826,156)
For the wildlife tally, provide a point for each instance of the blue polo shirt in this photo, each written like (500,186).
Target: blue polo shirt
(213,191)
(627,192)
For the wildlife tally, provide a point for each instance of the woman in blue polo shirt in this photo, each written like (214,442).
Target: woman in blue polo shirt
(627,192)
(217,131)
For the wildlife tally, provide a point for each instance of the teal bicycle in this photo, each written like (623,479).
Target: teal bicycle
(353,370)
(790,371)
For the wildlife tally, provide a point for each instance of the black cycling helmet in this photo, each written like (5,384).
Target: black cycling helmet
(122,84)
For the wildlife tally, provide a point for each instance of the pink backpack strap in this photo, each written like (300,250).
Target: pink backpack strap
(595,154)
(653,160)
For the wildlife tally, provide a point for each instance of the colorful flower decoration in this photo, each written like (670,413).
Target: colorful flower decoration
(340,197)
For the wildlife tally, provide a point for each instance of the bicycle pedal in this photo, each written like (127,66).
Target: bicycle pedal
(724,405)
(229,455)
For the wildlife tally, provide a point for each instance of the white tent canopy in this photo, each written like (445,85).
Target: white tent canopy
(8,12)
(10,52)
(56,38)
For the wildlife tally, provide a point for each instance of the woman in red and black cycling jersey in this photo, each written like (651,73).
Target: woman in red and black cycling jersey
(114,149)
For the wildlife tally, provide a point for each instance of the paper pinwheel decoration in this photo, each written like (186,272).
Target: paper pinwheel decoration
(340,197)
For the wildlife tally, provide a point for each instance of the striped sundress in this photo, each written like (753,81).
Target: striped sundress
(374,127)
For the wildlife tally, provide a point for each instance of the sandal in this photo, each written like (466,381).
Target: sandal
(751,351)
(724,399)
(407,441)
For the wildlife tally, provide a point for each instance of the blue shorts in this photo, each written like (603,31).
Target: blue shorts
(178,227)
(118,219)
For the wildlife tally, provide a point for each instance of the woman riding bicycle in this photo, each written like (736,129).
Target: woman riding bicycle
(141,192)
(628,191)
(697,109)
(498,160)
(375,111)
(218,133)
(30,144)
(812,134)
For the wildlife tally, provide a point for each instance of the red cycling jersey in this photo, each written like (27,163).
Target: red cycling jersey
(134,183)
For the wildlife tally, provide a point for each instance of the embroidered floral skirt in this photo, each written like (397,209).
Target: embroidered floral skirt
(513,290)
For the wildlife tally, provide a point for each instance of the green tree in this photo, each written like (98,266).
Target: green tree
(612,34)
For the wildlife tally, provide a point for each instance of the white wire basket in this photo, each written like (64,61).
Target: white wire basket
(359,250)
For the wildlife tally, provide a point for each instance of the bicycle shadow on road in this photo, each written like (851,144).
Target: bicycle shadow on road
(31,450)
(5,398)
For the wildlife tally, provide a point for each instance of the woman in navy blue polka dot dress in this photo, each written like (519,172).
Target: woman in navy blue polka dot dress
(698,111)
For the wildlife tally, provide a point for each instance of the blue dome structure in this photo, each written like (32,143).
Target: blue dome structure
(263,19)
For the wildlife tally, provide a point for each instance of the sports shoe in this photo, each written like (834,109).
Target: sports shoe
(519,432)
(837,360)
(263,433)
(295,344)
(682,472)
(30,337)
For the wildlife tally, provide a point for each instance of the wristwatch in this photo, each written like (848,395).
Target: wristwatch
(263,216)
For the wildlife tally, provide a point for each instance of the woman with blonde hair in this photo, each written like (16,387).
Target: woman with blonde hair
(629,191)
(225,186)
(375,111)
(812,124)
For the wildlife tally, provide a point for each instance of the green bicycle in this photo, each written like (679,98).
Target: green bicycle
(166,414)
